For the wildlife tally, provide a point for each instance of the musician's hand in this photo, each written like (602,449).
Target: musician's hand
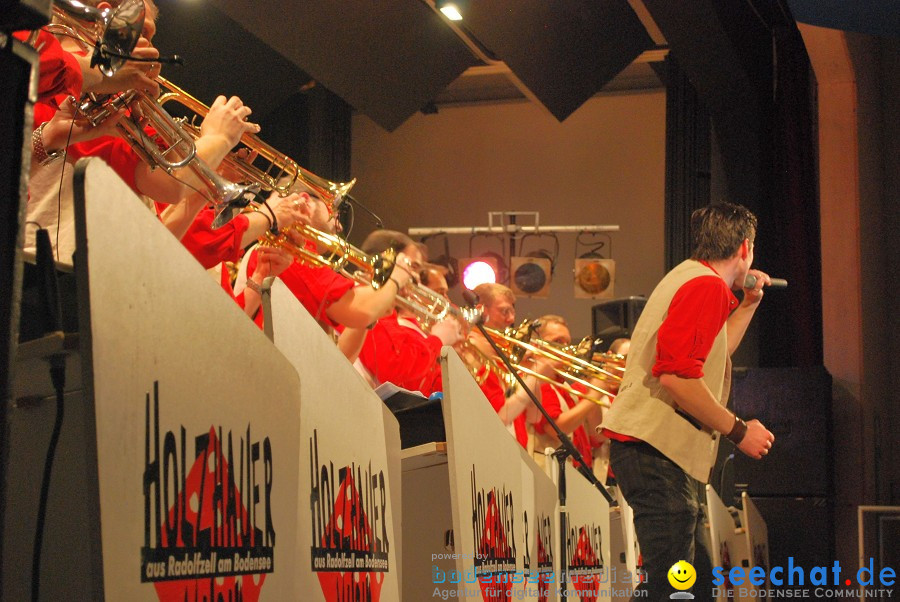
(65,127)
(290,209)
(403,270)
(227,120)
(757,441)
(540,364)
(754,295)
(132,75)
(447,331)
(270,261)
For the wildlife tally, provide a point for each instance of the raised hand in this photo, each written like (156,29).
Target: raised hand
(290,210)
(227,120)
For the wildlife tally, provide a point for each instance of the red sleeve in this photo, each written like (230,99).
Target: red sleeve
(492,387)
(316,288)
(552,403)
(115,151)
(400,355)
(43,113)
(59,71)
(211,247)
(696,315)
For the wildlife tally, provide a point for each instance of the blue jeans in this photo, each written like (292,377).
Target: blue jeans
(667,517)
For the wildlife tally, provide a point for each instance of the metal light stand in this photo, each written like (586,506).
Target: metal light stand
(509,224)
(566,449)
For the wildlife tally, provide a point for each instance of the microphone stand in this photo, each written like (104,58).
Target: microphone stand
(566,449)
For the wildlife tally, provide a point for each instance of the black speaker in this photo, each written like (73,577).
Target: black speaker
(801,528)
(795,404)
(616,318)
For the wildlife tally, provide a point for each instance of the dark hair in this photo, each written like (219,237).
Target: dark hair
(381,240)
(718,230)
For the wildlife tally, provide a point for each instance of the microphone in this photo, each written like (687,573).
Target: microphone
(750,282)
(174,59)
(378,221)
(471,297)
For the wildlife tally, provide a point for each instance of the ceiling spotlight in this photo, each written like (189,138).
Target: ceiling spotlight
(594,278)
(450,10)
(595,275)
(532,271)
(478,272)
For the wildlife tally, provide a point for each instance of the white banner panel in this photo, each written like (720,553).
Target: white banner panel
(633,573)
(728,547)
(756,533)
(197,430)
(428,551)
(347,546)
(540,541)
(486,493)
(587,541)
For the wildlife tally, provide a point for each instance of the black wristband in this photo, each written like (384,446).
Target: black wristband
(274,221)
(738,431)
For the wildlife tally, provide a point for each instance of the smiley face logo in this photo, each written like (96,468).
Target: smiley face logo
(682,575)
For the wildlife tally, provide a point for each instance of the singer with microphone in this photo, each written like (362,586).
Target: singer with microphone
(669,414)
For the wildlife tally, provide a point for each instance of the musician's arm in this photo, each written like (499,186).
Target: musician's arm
(351,341)
(221,130)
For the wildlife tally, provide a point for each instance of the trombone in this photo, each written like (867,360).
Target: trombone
(520,340)
(280,173)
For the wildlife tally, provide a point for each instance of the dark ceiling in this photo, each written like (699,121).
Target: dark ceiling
(392,58)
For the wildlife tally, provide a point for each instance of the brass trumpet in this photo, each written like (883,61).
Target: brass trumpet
(171,148)
(367,269)
(430,307)
(280,174)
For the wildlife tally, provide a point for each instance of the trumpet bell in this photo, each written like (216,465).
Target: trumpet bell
(383,267)
(231,200)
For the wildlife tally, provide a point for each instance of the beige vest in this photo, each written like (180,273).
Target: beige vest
(644,409)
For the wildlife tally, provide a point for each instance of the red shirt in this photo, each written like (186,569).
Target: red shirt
(552,399)
(696,315)
(399,354)
(59,72)
(315,287)
(211,247)
(493,389)
(117,153)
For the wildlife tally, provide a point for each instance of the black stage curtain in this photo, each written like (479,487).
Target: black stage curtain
(687,160)
(789,237)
